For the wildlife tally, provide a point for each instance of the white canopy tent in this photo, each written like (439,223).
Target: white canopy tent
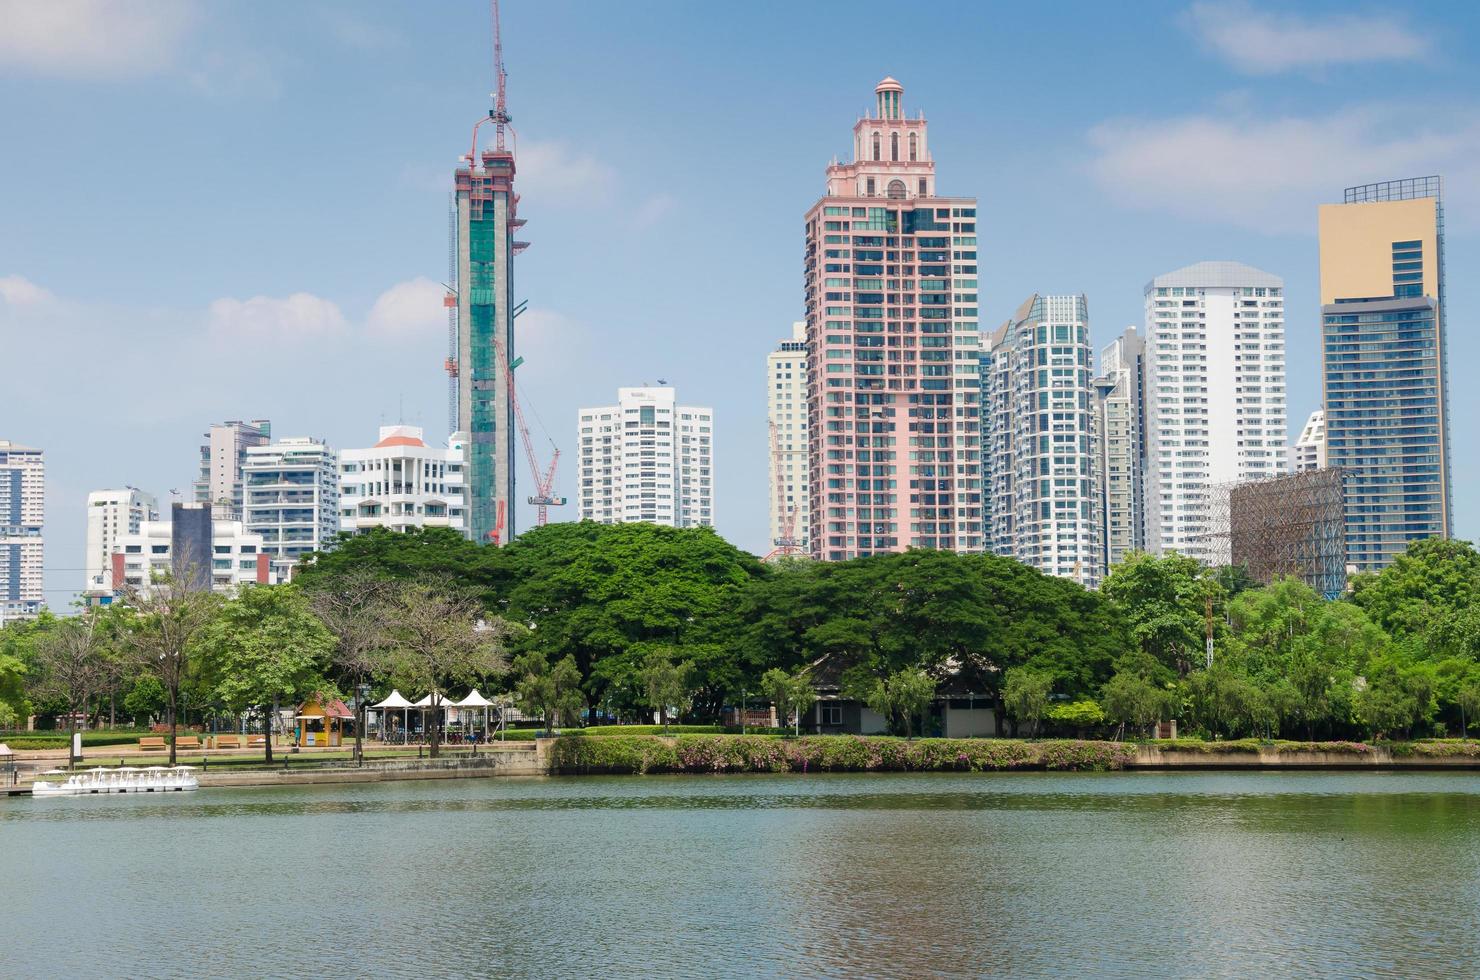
(395,700)
(476,700)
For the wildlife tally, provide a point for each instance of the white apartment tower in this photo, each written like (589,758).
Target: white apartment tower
(786,413)
(401,483)
(291,498)
(111,514)
(1215,398)
(647,458)
(1309,451)
(221,460)
(1120,423)
(1040,447)
(22,513)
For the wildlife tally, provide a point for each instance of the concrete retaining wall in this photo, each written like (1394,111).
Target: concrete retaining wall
(1150,757)
(518,759)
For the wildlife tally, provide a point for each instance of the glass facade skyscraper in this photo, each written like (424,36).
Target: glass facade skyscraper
(1383,365)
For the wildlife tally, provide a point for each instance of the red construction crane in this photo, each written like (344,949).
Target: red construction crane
(787,544)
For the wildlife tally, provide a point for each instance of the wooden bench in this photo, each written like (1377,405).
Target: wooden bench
(190,742)
(256,741)
(152,743)
(228,741)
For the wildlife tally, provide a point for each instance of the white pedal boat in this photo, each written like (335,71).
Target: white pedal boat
(127,779)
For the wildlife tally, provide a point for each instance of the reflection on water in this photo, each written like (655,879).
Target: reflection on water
(890,875)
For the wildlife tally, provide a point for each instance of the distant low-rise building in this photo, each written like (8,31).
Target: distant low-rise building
(194,548)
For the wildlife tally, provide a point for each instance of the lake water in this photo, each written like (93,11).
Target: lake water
(1113,875)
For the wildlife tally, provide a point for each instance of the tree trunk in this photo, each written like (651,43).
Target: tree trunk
(268,713)
(436,731)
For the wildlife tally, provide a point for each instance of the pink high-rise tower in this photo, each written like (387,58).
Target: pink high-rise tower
(893,389)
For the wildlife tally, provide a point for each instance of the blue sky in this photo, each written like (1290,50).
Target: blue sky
(232,210)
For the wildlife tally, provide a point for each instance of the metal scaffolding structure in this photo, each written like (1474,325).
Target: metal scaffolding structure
(1286,526)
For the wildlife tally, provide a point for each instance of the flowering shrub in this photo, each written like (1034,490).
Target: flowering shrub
(828,753)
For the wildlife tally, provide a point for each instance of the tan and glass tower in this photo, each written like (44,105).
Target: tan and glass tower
(893,394)
(1383,364)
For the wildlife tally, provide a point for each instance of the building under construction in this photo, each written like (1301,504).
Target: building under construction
(481,318)
(1290,526)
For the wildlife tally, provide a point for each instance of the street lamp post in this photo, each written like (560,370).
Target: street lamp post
(362,695)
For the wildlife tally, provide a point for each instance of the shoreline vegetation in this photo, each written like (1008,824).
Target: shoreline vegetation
(704,754)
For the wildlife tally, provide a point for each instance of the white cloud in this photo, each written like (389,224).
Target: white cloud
(19,291)
(653,210)
(354,31)
(93,38)
(409,309)
(1266,43)
(553,174)
(301,316)
(1269,173)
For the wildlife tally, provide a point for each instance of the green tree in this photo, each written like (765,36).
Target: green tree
(1130,699)
(613,591)
(1079,715)
(162,636)
(1398,696)
(438,638)
(74,666)
(145,698)
(666,684)
(1467,698)
(1433,580)
(906,694)
(1162,601)
(263,647)
(552,692)
(792,694)
(1025,693)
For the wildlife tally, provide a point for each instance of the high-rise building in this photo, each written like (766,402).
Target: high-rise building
(1040,458)
(401,483)
(1215,399)
(111,514)
(291,499)
(192,548)
(221,459)
(1383,364)
(1309,451)
(893,394)
(22,514)
(1120,422)
(786,413)
(486,219)
(647,458)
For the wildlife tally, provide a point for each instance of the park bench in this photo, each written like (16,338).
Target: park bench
(190,742)
(228,741)
(152,743)
(256,741)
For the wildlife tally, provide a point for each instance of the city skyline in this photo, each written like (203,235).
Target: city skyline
(380,318)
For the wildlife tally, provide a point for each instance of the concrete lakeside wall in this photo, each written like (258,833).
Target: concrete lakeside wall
(1151,757)
(517,759)
(534,759)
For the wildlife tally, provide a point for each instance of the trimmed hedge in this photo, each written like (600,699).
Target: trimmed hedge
(640,754)
(1254,745)
(60,740)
